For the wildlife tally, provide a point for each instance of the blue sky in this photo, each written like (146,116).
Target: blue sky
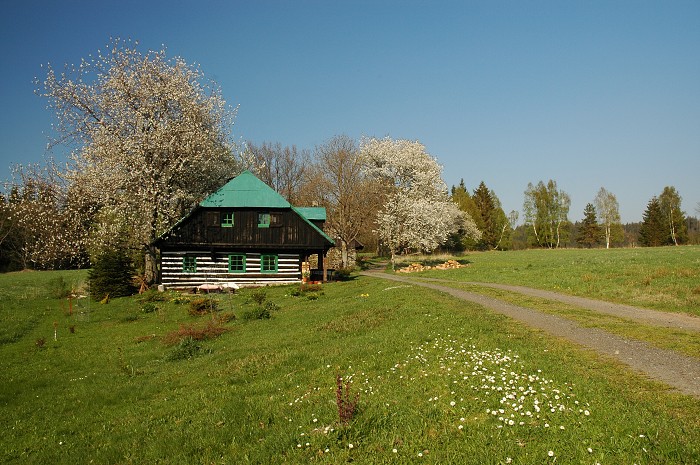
(587,93)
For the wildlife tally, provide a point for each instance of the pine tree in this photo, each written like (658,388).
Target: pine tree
(112,275)
(460,196)
(589,233)
(652,232)
(486,211)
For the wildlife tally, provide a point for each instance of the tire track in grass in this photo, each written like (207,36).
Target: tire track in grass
(676,370)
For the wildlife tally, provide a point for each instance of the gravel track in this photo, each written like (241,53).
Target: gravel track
(676,370)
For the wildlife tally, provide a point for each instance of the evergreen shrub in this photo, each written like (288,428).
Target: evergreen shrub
(112,275)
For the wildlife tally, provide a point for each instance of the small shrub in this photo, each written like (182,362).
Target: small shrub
(59,288)
(202,306)
(257,313)
(129,318)
(346,403)
(225,317)
(295,292)
(186,349)
(210,331)
(343,274)
(180,300)
(312,296)
(41,342)
(270,306)
(259,296)
(149,307)
(153,295)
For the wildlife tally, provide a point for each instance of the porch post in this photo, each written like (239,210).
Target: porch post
(322,257)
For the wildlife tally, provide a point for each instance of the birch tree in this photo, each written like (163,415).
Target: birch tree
(608,210)
(546,209)
(674,218)
(148,139)
(418,213)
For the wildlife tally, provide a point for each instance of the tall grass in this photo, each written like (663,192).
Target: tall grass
(439,381)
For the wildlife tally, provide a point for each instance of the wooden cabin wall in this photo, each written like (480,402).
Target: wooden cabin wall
(215,270)
(204,228)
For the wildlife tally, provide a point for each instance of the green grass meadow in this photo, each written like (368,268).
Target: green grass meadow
(660,278)
(439,381)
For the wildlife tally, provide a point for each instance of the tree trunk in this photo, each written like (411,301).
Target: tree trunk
(150,267)
(344,253)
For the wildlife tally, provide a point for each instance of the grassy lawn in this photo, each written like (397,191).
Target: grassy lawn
(661,278)
(439,381)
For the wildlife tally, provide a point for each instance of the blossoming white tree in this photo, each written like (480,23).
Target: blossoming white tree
(45,231)
(418,213)
(148,139)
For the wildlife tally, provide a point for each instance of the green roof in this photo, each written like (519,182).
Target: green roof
(312,213)
(245,190)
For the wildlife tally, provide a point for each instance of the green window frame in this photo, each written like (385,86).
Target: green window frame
(189,264)
(264,220)
(236,263)
(268,263)
(227,219)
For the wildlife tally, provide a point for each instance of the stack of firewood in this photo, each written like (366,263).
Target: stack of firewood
(416,267)
(449,265)
(413,268)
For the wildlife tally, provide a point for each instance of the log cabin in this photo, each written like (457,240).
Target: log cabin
(246,234)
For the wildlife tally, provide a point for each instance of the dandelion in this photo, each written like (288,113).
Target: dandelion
(420,454)
(586,412)
(550,453)
(350,446)
(590,451)
(394,450)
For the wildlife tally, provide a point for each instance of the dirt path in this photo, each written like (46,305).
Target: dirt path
(642,315)
(676,370)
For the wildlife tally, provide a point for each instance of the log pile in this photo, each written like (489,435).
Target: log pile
(416,267)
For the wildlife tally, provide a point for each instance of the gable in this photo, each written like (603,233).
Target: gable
(245,191)
(246,196)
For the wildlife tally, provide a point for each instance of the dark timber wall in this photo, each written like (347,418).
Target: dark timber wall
(287,230)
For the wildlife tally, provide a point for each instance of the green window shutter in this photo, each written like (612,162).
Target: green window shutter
(236,263)
(268,263)
(189,264)
(263,220)
(227,220)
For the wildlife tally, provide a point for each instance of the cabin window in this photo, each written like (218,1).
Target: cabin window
(236,263)
(227,220)
(268,263)
(189,264)
(263,220)
(275,219)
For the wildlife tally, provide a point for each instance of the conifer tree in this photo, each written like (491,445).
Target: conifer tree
(112,275)
(589,233)
(486,212)
(652,232)
(460,195)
